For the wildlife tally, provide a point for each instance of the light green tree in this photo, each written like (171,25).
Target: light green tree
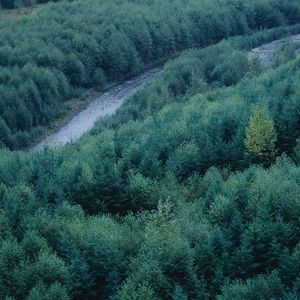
(261,136)
(130,292)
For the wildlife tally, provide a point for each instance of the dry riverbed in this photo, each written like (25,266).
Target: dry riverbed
(108,102)
(266,52)
(103,105)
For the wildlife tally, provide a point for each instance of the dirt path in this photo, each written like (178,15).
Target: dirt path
(107,103)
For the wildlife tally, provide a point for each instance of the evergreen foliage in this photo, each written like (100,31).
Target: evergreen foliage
(60,50)
(161,200)
(11,4)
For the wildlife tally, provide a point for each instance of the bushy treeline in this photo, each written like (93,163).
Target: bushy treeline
(263,37)
(191,223)
(56,52)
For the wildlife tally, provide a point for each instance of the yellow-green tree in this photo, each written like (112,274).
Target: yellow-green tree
(261,136)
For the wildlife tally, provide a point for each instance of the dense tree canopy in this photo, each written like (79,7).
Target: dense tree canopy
(162,201)
(190,191)
(52,55)
(9,4)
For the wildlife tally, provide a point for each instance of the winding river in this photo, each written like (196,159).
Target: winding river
(107,103)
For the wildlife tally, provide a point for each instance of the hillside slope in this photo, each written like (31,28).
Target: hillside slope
(57,52)
(107,103)
(163,200)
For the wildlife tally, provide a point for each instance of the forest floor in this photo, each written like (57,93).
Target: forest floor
(84,114)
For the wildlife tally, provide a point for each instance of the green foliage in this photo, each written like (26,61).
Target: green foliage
(286,53)
(296,153)
(58,51)
(42,292)
(183,249)
(159,201)
(262,288)
(10,4)
(179,294)
(261,136)
(128,292)
(184,161)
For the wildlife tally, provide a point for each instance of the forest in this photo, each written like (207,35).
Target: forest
(10,4)
(53,55)
(191,190)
